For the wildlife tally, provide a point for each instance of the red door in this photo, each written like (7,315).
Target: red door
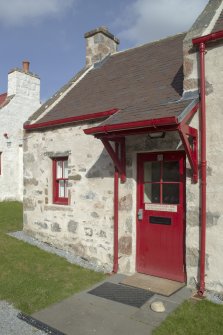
(160,214)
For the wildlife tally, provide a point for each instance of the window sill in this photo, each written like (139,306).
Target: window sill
(57,207)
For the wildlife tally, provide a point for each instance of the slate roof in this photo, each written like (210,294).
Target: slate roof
(3,97)
(137,114)
(132,81)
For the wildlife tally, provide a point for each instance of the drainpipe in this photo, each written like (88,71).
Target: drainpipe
(203,170)
(116,181)
(201,42)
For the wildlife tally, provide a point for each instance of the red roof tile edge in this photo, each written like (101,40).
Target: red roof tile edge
(64,121)
(3,97)
(132,125)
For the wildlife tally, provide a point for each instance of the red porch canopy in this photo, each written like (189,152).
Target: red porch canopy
(171,116)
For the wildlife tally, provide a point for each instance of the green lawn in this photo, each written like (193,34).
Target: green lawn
(194,318)
(30,278)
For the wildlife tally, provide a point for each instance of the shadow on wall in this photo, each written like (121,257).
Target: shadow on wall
(177,82)
(102,168)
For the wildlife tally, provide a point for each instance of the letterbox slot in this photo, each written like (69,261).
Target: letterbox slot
(160,220)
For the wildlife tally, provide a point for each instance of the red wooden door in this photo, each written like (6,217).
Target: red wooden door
(160,214)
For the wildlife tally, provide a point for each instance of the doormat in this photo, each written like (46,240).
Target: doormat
(127,295)
(158,285)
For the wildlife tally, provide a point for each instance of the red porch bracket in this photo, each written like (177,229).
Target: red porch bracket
(191,149)
(117,157)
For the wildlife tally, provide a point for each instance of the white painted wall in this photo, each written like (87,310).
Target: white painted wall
(26,90)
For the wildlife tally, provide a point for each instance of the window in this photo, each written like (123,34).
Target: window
(0,163)
(162,182)
(60,180)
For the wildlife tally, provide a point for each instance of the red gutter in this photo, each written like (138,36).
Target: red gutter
(70,119)
(129,125)
(116,180)
(207,38)
(201,42)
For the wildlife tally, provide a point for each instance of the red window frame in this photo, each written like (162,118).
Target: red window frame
(57,199)
(161,182)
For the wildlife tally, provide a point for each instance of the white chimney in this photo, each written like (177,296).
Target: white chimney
(22,82)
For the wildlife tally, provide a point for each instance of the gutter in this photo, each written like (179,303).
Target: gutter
(200,42)
(72,119)
(132,125)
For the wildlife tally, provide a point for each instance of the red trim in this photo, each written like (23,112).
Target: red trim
(56,199)
(114,154)
(116,181)
(70,119)
(192,152)
(131,125)
(207,38)
(203,169)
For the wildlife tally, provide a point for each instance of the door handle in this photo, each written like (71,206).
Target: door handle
(140,214)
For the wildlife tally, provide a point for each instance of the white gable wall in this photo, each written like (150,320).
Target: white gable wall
(26,90)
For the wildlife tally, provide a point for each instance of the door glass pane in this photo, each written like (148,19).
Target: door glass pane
(171,171)
(66,169)
(66,189)
(61,188)
(171,193)
(151,171)
(151,193)
(59,169)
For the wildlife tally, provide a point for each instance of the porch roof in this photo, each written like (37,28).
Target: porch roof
(150,117)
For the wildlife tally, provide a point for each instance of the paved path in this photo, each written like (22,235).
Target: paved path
(85,314)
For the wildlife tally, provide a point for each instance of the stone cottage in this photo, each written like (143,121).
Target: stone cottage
(115,162)
(20,101)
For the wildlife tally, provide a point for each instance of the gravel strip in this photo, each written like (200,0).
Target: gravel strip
(70,257)
(11,325)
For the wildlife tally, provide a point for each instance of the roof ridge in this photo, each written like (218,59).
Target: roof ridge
(148,43)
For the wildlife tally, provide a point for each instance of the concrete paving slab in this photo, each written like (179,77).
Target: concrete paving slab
(87,314)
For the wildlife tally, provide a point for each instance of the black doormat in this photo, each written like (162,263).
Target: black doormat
(127,295)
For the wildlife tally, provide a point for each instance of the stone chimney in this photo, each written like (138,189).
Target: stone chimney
(99,43)
(22,82)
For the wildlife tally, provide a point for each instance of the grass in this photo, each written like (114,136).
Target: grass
(30,278)
(194,318)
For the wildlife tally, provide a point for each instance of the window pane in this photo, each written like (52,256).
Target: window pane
(152,171)
(61,188)
(171,193)
(171,171)
(59,169)
(151,193)
(66,188)
(66,169)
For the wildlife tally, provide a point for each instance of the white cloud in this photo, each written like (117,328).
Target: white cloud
(17,12)
(146,20)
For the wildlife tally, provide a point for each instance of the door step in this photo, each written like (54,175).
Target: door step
(158,285)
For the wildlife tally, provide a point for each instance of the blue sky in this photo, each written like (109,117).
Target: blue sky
(49,33)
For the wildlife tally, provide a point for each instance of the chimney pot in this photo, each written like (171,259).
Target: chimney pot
(25,66)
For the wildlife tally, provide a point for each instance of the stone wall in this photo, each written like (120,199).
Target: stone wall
(24,88)
(85,226)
